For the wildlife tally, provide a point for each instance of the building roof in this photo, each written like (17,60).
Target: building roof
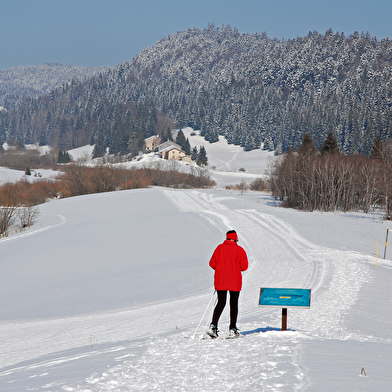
(167,144)
(168,149)
(152,137)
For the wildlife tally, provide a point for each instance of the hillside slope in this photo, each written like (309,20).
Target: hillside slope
(20,83)
(253,90)
(106,291)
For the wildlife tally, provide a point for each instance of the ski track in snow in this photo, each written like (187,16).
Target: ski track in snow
(227,163)
(36,231)
(215,365)
(167,362)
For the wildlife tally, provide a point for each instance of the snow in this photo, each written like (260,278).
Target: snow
(81,153)
(105,293)
(41,149)
(11,175)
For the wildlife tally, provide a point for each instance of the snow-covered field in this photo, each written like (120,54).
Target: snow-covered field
(8,175)
(105,293)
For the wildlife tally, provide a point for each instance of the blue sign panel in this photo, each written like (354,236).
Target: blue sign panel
(285,298)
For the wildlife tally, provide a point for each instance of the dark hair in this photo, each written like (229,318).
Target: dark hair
(231,231)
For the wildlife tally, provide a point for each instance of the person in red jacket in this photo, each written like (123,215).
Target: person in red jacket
(228,260)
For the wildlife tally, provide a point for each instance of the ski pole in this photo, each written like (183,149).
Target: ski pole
(202,317)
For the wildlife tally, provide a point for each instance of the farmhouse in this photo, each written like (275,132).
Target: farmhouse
(167,144)
(167,150)
(172,153)
(151,143)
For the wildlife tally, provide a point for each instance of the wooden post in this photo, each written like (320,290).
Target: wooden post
(386,243)
(284,319)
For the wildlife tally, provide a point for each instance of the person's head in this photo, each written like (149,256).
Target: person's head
(232,236)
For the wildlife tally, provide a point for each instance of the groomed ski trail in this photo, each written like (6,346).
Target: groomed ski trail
(279,257)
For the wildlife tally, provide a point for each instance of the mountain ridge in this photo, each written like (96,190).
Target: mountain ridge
(28,81)
(253,90)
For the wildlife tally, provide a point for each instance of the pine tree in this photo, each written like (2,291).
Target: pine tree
(140,140)
(187,147)
(166,135)
(42,139)
(195,154)
(377,150)
(63,157)
(202,157)
(62,143)
(330,146)
(180,139)
(99,148)
(307,146)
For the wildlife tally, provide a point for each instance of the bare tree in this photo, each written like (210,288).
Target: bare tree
(386,178)
(77,179)
(27,215)
(7,215)
(9,203)
(199,177)
(332,182)
(105,179)
(242,186)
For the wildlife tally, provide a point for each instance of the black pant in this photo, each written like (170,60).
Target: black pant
(222,296)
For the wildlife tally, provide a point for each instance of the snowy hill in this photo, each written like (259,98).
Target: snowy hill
(23,82)
(251,88)
(105,292)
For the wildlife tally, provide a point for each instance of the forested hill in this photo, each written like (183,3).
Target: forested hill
(248,87)
(20,83)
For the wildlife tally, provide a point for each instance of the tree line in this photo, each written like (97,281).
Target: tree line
(21,83)
(327,180)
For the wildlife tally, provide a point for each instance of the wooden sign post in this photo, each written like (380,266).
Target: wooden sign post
(284,298)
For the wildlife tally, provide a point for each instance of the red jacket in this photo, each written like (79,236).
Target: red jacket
(228,260)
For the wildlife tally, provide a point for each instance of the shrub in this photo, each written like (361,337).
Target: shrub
(7,215)
(27,216)
(258,185)
(331,182)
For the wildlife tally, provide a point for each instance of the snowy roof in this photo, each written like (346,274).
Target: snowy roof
(172,148)
(167,144)
(152,137)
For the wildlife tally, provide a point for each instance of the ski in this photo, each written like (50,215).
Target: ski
(235,337)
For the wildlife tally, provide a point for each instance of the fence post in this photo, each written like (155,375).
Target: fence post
(386,243)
